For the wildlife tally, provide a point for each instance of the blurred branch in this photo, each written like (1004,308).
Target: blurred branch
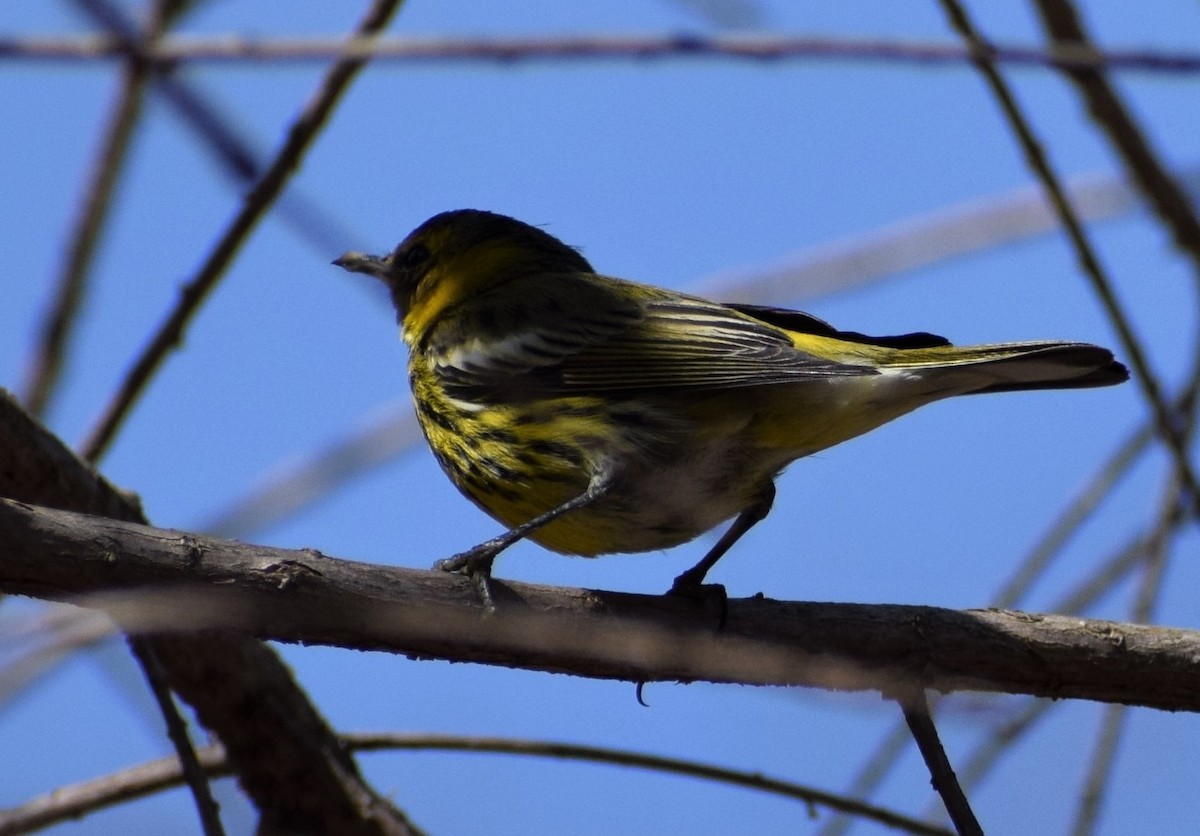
(1072,518)
(292,486)
(45,367)
(153,580)
(235,154)
(1001,738)
(1034,566)
(970,227)
(759,47)
(299,137)
(1115,569)
(53,635)
(983,57)
(154,776)
(1160,188)
(286,757)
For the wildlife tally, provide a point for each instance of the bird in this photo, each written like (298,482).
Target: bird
(595,415)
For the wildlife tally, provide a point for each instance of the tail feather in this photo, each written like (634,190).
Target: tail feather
(1015,367)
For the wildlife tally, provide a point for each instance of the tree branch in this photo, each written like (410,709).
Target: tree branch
(194,49)
(941,774)
(155,579)
(77,800)
(287,758)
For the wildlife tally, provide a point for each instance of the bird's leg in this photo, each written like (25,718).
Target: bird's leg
(476,563)
(691,580)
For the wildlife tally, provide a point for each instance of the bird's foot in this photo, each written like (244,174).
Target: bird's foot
(711,596)
(476,564)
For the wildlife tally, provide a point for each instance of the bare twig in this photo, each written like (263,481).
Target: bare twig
(154,776)
(76,800)
(911,243)
(1087,814)
(757,47)
(982,56)
(941,774)
(1078,511)
(301,135)
(193,775)
(1051,544)
(1116,568)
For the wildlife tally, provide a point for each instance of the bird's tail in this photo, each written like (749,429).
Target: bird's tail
(1008,367)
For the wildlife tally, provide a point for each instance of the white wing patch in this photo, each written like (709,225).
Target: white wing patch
(516,353)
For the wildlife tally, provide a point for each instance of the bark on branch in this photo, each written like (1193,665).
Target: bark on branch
(155,579)
(287,758)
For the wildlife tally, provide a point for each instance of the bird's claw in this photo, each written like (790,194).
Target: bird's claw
(476,564)
(711,596)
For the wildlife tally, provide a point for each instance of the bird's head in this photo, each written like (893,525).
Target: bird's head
(457,255)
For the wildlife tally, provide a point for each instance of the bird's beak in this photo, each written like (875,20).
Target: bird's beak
(372,265)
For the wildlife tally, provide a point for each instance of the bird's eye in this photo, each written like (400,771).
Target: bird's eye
(414,256)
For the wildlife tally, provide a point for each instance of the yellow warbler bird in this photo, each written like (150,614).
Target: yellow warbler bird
(593,414)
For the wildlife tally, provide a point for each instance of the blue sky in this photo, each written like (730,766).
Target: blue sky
(669,171)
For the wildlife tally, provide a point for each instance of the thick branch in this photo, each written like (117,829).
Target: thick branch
(155,579)
(287,759)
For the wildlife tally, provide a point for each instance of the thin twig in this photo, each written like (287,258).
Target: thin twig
(941,774)
(619,757)
(162,774)
(982,57)
(1115,569)
(1087,814)
(758,47)
(300,136)
(193,774)
(890,748)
